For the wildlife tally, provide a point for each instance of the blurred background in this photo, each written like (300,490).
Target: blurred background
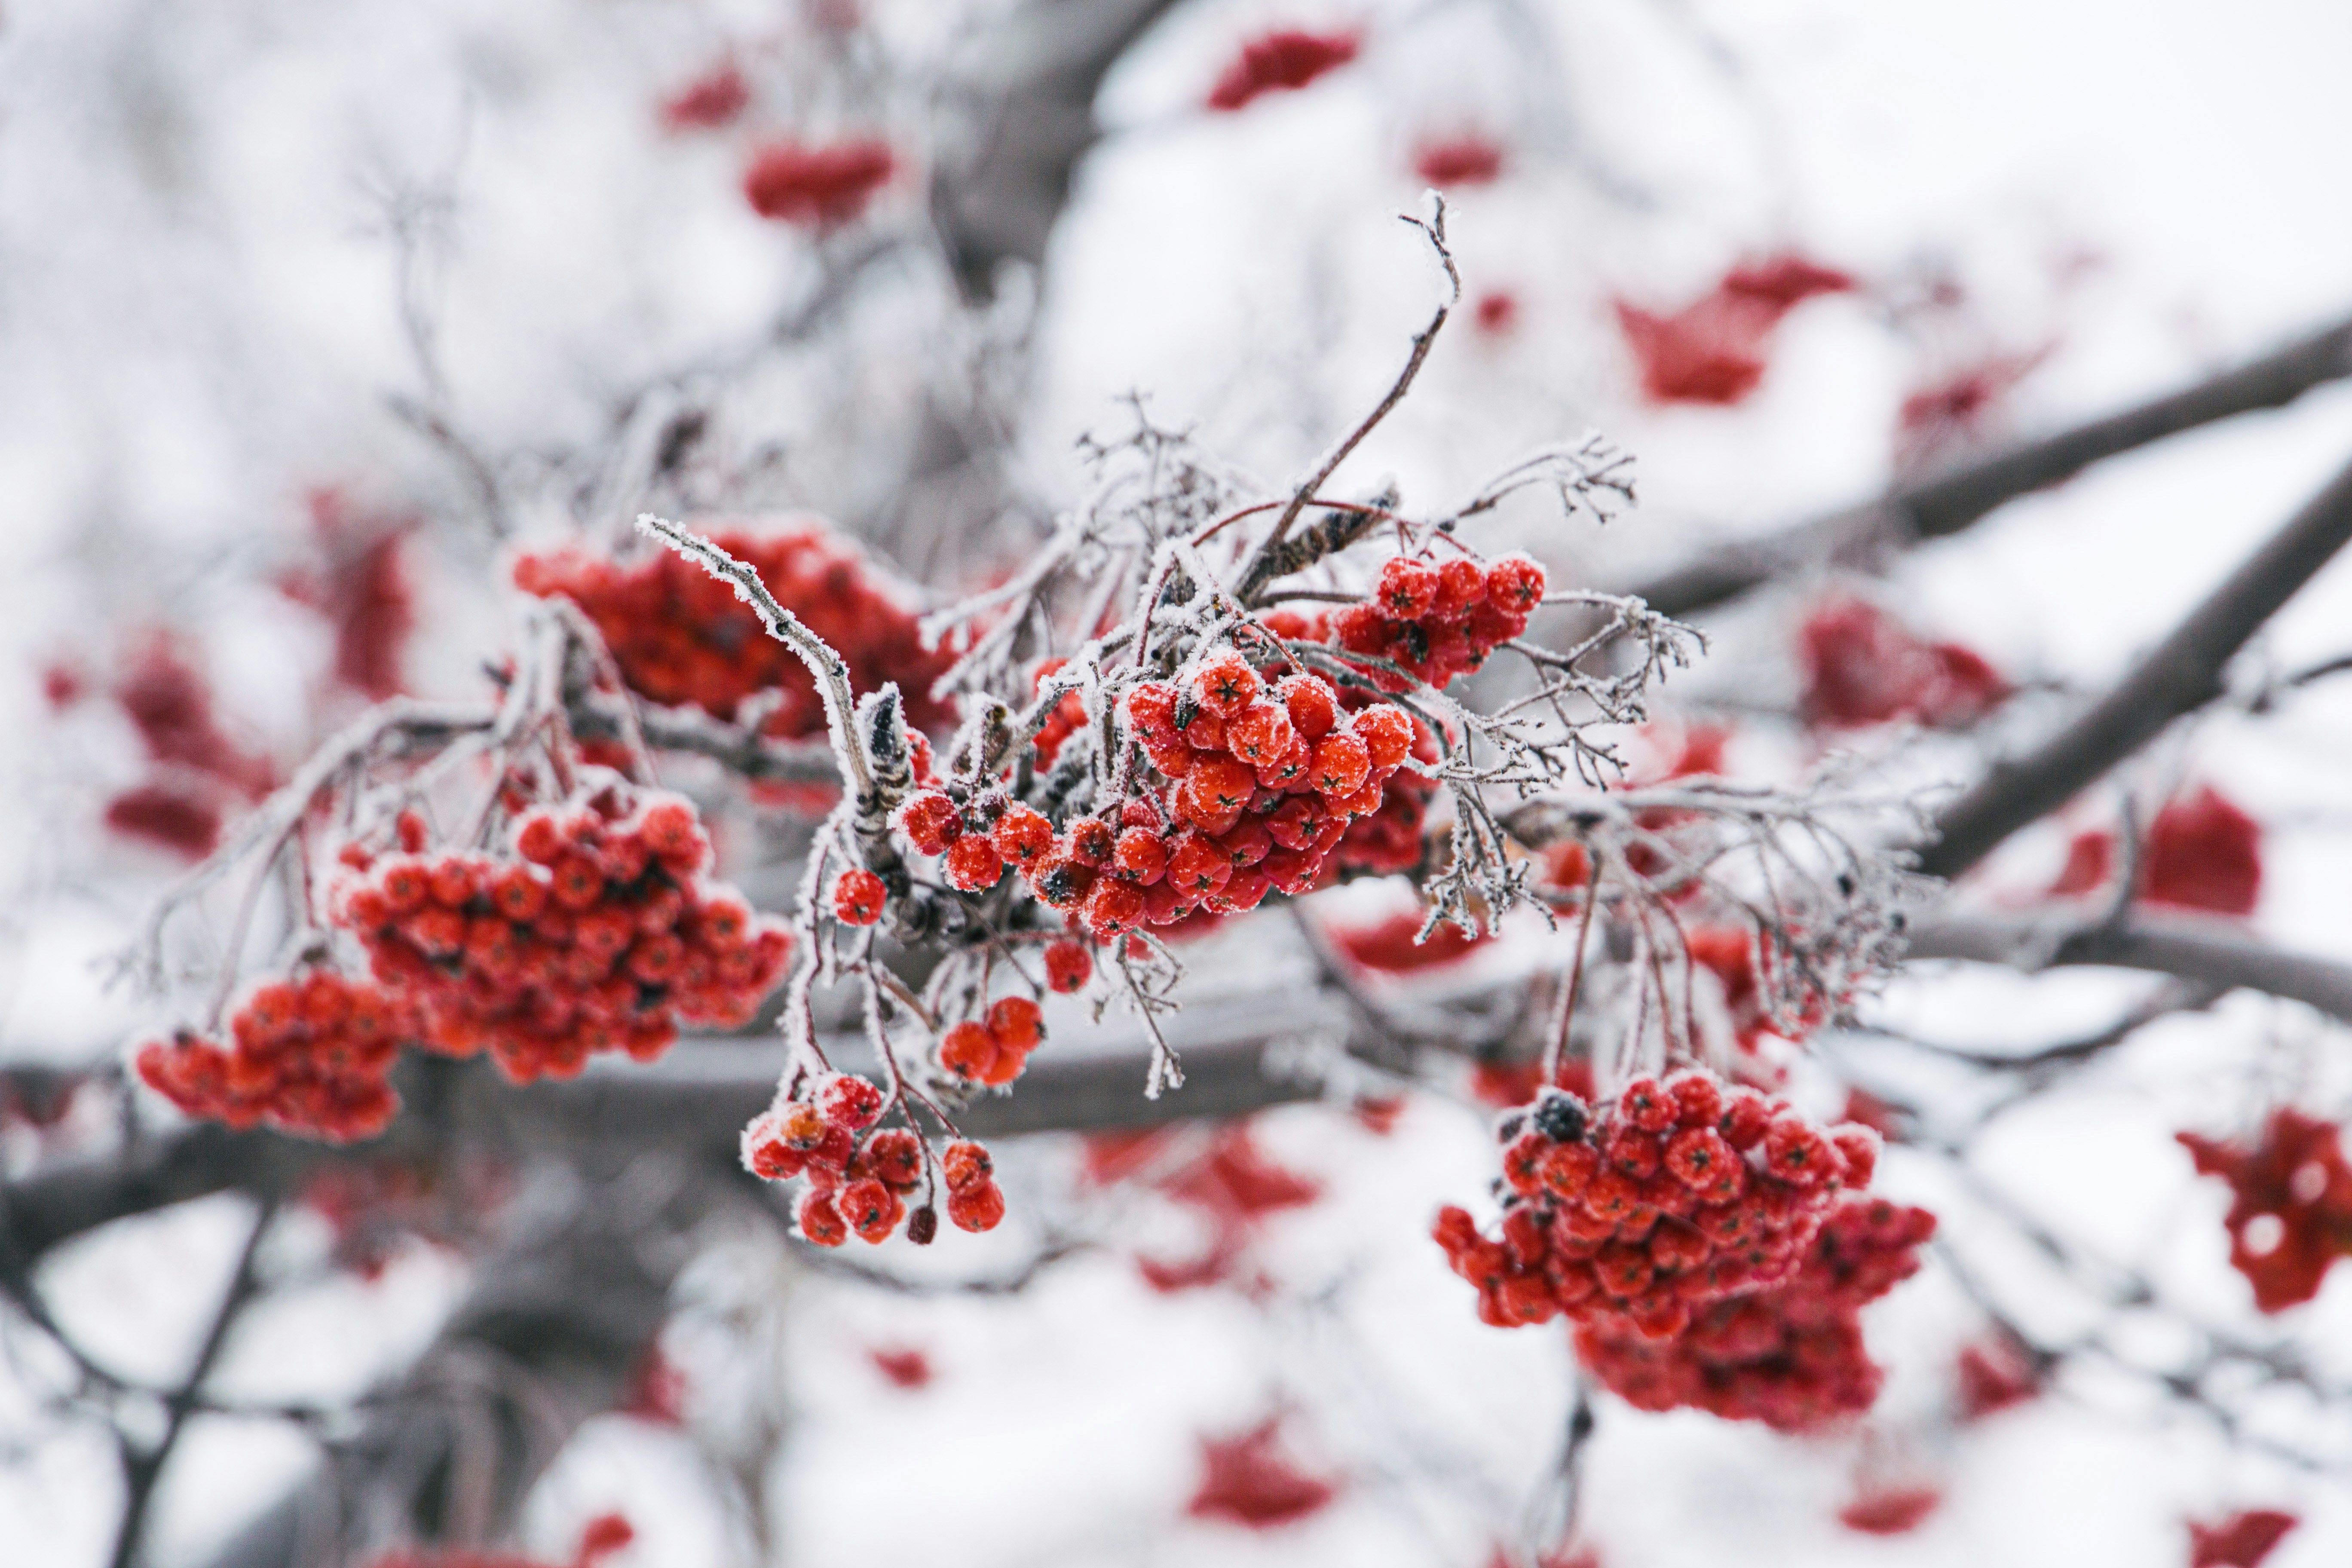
(312,315)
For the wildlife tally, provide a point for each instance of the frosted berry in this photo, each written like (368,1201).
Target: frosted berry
(1068,967)
(979,1207)
(857,898)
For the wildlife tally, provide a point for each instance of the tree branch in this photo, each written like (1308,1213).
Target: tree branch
(2180,674)
(1966,492)
(2211,952)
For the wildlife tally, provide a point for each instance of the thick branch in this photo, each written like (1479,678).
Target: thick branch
(1960,495)
(2207,951)
(2179,676)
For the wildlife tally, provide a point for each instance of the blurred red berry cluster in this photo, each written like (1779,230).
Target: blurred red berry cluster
(1790,1356)
(1713,350)
(681,637)
(2290,1204)
(1282,61)
(308,1054)
(2202,852)
(1253,1481)
(1860,667)
(2241,1540)
(819,185)
(594,930)
(197,773)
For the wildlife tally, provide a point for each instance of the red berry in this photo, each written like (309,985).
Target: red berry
(1341,765)
(1113,909)
(820,1221)
(1261,734)
(976,1207)
(931,822)
(1091,841)
(973,865)
(847,1100)
(1022,835)
(1199,865)
(1407,589)
(869,1208)
(1386,731)
(857,898)
(1314,710)
(964,1165)
(1068,967)
(1515,583)
(1014,1021)
(1141,856)
(969,1050)
(1225,685)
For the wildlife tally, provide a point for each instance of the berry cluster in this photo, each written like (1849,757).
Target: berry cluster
(596,932)
(818,186)
(1437,622)
(2243,1540)
(308,1055)
(859,1177)
(200,771)
(1283,60)
(1251,1480)
(681,637)
(1716,349)
(1263,782)
(1862,666)
(2291,1209)
(2200,852)
(1672,1195)
(1791,1356)
(993,1050)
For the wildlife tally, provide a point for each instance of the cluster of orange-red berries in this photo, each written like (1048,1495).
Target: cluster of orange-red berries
(594,931)
(1792,1356)
(1669,1197)
(2290,1204)
(1435,622)
(993,1049)
(310,1055)
(681,637)
(1264,780)
(859,1178)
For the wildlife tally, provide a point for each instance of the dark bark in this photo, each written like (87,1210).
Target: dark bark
(1960,495)
(2180,674)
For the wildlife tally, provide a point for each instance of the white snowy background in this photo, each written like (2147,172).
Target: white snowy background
(198,318)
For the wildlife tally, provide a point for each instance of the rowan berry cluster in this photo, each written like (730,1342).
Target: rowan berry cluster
(681,637)
(309,1054)
(2291,1207)
(1262,783)
(1791,1356)
(594,931)
(993,1049)
(860,1176)
(1670,1197)
(1435,622)
(821,185)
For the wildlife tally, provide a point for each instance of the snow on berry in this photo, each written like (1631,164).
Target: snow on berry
(858,898)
